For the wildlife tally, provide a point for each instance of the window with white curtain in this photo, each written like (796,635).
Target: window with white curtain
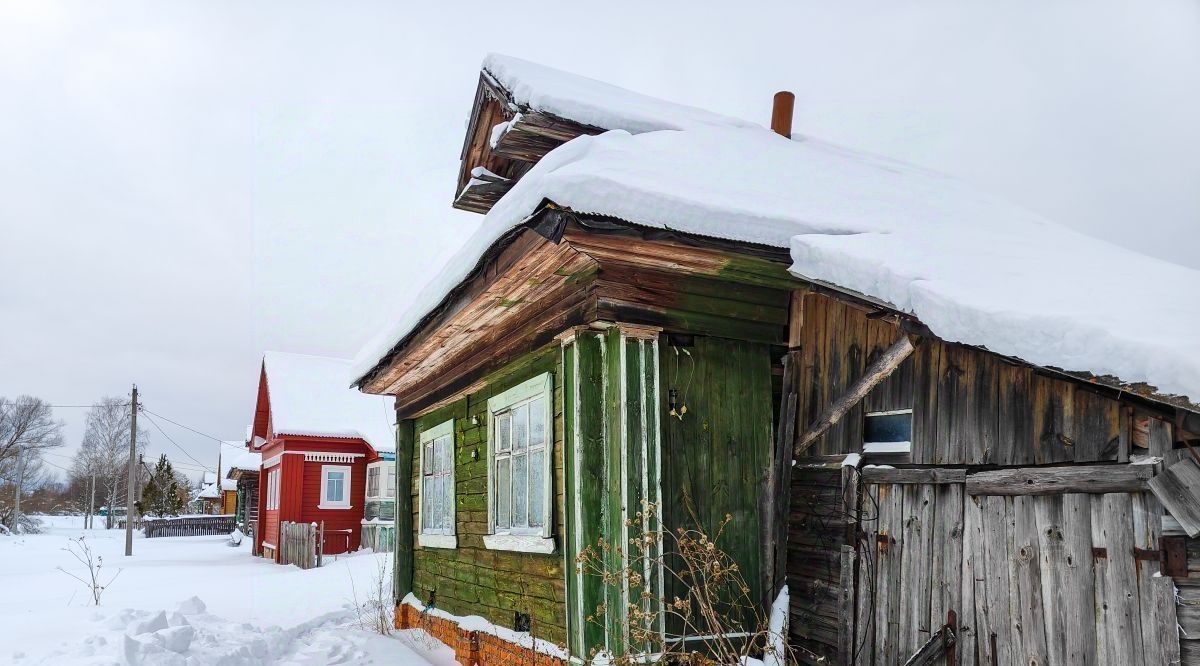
(437,485)
(519,444)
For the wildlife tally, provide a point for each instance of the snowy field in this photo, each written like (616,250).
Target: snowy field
(188,601)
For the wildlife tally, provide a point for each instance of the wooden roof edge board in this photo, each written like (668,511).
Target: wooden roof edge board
(481,196)
(1178,489)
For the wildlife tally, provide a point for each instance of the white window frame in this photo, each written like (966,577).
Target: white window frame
(344,503)
(437,537)
(273,490)
(386,486)
(525,539)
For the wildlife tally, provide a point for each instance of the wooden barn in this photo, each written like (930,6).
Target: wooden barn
(317,440)
(914,411)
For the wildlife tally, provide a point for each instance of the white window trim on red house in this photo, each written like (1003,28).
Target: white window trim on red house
(344,503)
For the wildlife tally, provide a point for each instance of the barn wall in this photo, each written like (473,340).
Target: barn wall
(470,579)
(969,407)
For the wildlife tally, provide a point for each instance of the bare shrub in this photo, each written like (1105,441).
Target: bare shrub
(375,611)
(94,563)
(716,601)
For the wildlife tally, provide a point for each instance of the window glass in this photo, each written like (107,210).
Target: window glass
(335,485)
(537,422)
(391,481)
(437,480)
(373,482)
(520,437)
(503,432)
(536,488)
(879,428)
(503,493)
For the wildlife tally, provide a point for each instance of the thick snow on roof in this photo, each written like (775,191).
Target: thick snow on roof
(234,455)
(973,268)
(308,396)
(209,492)
(539,88)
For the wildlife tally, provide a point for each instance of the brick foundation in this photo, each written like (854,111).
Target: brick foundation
(473,648)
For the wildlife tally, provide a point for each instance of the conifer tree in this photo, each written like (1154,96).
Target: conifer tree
(162,496)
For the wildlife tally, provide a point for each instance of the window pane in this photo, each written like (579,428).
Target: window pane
(520,484)
(428,502)
(520,417)
(503,519)
(391,481)
(373,482)
(503,432)
(447,502)
(537,422)
(427,459)
(537,476)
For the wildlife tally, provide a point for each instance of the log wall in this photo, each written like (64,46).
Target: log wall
(470,579)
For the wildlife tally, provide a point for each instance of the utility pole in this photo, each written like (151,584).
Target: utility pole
(133,405)
(90,522)
(17,500)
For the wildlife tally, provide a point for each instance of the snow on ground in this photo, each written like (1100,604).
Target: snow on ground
(188,601)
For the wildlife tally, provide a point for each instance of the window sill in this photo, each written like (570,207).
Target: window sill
(437,541)
(522,543)
(334,507)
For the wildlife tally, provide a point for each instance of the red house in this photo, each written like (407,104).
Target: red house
(319,441)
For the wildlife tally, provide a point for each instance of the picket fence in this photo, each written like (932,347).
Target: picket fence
(188,526)
(301,544)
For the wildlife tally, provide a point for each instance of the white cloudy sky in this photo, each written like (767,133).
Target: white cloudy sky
(186,184)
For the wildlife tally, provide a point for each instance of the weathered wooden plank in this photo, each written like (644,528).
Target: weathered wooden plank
(1077,589)
(932,651)
(945,592)
(1097,427)
(1053,420)
(924,475)
(915,570)
(889,559)
(972,621)
(1048,517)
(1002,646)
(776,498)
(1052,480)
(1026,581)
(1147,528)
(864,626)
(1123,637)
(926,373)
(1015,437)
(1178,488)
(846,610)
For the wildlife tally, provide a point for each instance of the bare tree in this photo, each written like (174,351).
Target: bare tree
(27,425)
(25,475)
(104,452)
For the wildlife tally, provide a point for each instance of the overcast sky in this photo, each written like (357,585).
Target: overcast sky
(184,185)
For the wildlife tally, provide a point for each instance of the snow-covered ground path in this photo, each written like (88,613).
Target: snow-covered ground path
(188,601)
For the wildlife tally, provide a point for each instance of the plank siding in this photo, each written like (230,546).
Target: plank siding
(970,407)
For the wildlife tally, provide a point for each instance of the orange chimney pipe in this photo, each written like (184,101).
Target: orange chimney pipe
(781,113)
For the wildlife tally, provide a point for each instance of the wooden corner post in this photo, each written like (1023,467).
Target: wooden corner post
(612,474)
(403,569)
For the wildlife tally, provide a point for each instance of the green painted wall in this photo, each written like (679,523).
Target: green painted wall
(472,580)
(715,454)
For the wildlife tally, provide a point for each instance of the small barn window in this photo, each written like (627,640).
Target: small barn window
(437,487)
(520,435)
(888,432)
(335,487)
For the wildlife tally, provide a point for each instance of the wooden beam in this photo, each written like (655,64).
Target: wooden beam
(776,499)
(879,371)
(1056,480)
(1178,488)
(937,475)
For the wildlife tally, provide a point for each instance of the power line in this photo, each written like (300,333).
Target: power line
(202,434)
(164,434)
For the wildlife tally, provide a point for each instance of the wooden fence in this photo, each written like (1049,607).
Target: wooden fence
(300,544)
(188,526)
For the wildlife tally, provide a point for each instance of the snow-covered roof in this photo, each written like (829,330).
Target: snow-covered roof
(308,396)
(973,268)
(209,477)
(235,455)
(209,492)
(535,87)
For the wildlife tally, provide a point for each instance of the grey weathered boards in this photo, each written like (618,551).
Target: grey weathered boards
(1054,579)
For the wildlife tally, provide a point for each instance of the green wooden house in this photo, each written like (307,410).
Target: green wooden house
(631,329)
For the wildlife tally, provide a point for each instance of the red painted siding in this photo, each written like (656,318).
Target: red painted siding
(300,490)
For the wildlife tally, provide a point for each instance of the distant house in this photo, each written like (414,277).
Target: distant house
(321,443)
(242,466)
(218,496)
(673,309)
